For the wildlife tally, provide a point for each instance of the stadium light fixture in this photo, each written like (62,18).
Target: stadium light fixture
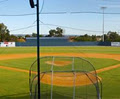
(38,43)
(103,8)
(32,3)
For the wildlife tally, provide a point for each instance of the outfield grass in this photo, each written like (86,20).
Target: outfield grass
(81,49)
(15,85)
(111,84)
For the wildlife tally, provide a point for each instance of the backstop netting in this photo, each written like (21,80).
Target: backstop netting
(65,78)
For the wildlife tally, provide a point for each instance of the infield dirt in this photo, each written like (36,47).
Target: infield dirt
(88,55)
(58,63)
(64,79)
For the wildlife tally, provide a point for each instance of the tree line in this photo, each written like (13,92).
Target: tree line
(109,37)
(5,36)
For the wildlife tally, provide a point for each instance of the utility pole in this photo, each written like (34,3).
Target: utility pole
(38,43)
(103,8)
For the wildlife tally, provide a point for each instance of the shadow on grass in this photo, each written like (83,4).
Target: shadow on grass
(16,96)
(43,96)
(55,96)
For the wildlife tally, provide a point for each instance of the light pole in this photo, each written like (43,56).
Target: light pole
(38,43)
(103,8)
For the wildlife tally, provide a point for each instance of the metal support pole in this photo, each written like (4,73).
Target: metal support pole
(103,24)
(38,49)
(74,73)
(73,67)
(103,8)
(52,77)
(38,43)
(74,77)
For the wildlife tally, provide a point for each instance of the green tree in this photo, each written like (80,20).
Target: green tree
(4,33)
(113,36)
(58,32)
(41,35)
(6,37)
(52,33)
(13,38)
(34,34)
(94,38)
(27,36)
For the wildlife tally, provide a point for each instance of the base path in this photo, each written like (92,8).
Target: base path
(66,79)
(108,68)
(15,69)
(16,56)
(87,55)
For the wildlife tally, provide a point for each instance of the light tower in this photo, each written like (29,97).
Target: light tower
(103,8)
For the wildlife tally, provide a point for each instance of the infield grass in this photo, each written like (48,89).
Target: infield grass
(25,63)
(15,84)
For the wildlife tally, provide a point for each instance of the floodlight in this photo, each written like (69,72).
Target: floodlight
(32,3)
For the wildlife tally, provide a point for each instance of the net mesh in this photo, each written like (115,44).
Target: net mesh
(65,78)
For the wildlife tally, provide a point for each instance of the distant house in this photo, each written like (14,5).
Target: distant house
(98,38)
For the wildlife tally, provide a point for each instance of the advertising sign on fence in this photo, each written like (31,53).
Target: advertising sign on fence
(7,44)
(115,43)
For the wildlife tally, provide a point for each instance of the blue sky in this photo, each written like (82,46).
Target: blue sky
(81,21)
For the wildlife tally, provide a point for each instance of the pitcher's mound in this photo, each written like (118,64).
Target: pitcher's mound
(58,63)
(68,79)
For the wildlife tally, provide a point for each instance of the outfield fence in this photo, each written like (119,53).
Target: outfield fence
(60,42)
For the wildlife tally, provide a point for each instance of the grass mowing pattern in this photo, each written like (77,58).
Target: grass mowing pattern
(14,85)
(20,80)
(26,62)
(81,49)
(111,84)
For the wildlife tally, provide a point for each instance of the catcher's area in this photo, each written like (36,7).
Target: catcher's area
(70,77)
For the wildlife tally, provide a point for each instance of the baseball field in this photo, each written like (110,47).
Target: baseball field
(15,64)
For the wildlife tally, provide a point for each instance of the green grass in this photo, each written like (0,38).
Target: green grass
(15,85)
(81,49)
(25,63)
(111,84)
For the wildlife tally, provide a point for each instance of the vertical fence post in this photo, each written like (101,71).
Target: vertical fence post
(74,77)
(52,78)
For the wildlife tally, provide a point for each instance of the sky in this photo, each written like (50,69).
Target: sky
(81,23)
